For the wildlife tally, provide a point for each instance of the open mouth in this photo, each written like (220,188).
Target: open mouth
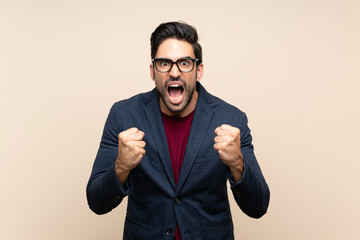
(175,93)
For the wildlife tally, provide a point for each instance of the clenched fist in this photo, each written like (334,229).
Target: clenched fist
(227,144)
(131,151)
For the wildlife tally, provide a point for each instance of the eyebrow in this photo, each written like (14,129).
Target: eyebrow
(186,57)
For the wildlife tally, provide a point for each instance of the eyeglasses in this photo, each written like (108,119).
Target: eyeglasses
(184,64)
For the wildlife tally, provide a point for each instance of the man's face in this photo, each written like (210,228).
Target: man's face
(177,89)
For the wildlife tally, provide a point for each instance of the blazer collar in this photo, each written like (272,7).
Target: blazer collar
(153,115)
(200,125)
(202,118)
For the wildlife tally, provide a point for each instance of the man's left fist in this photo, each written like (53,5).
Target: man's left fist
(227,144)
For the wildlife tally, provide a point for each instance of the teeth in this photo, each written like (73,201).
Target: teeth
(175,98)
(174,85)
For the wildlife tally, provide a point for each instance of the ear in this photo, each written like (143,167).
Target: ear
(152,71)
(199,71)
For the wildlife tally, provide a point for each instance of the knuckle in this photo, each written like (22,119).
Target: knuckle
(133,129)
(139,151)
(127,142)
(221,146)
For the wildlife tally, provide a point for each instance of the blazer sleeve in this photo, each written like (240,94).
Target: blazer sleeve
(104,190)
(251,193)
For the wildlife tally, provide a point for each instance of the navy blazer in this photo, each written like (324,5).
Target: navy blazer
(199,202)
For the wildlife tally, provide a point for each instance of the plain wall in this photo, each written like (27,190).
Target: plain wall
(292,66)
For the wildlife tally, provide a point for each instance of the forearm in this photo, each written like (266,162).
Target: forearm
(121,172)
(237,172)
(252,194)
(105,192)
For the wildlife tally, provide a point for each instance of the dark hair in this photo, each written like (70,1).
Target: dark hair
(177,30)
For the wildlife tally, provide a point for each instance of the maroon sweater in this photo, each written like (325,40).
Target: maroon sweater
(177,131)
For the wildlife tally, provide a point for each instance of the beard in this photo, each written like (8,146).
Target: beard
(188,92)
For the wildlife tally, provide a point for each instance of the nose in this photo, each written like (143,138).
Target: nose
(174,71)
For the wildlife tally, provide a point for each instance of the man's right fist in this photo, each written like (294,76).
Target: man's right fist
(131,151)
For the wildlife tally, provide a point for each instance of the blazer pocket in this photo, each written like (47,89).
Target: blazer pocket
(222,224)
(224,230)
(134,230)
(134,223)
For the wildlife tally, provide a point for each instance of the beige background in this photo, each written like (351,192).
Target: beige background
(292,66)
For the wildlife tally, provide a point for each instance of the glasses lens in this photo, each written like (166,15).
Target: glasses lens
(185,65)
(163,65)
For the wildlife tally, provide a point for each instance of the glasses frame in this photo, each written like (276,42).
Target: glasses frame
(176,63)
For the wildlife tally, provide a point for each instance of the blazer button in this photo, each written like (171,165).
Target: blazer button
(168,232)
(117,198)
(177,201)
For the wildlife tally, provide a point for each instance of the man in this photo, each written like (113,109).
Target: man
(172,150)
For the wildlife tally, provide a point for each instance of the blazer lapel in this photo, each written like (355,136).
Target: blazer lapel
(153,114)
(199,128)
